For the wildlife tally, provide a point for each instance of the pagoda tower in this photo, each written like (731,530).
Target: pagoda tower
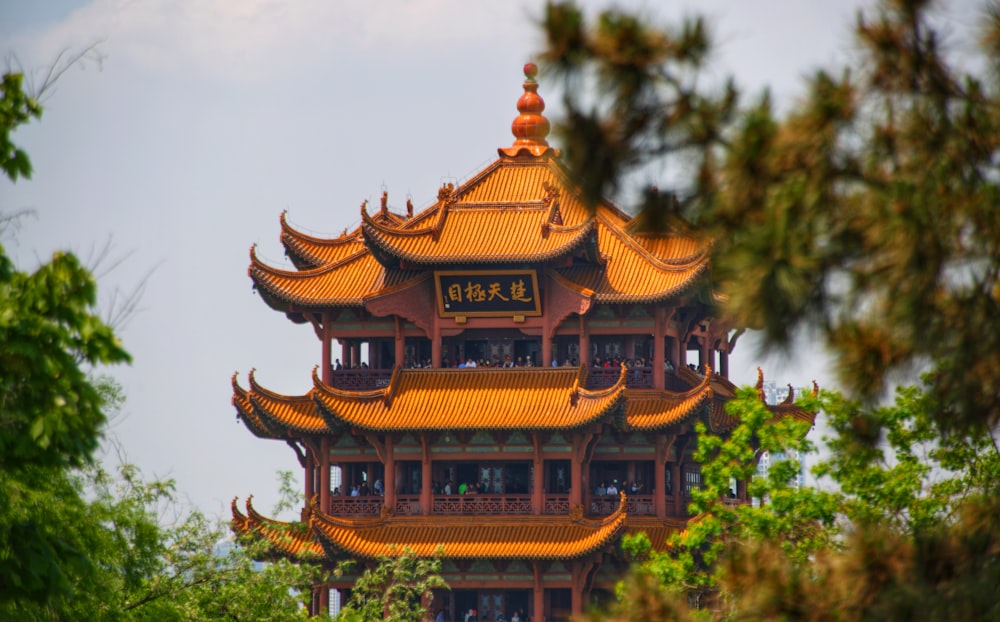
(509,378)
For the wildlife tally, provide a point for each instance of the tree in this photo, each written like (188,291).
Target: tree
(399,588)
(50,413)
(866,213)
(903,530)
(150,559)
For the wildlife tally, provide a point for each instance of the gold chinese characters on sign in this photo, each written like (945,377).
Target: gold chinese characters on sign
(494,293)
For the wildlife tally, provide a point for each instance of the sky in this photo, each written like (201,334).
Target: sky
(194,123)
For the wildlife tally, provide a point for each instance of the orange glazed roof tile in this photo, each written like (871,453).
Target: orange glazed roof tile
(342,284)
(648,410)
(470,537)
(487,398)
(289,539)
(286,414)
(522,208)
(245,410)
(518,199)
(631,273)
(307,251)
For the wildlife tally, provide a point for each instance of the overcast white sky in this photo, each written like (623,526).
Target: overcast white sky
(206,118)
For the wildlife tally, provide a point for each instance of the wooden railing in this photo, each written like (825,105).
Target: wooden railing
(407,505)
(356,506)
(361,379)
(482,504)
(597,378)
(637,505)
(556,504)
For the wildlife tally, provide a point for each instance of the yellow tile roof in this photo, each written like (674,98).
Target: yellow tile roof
(674,249)
(480,233)
(288,539)
(286,414)
(345,283)
(631,273)
(308,251)
(470,537)
(649,409)
(488,398)
(245,411)
(516,210)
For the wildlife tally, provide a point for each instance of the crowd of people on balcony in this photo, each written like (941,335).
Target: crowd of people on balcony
(521,361)
(612,489)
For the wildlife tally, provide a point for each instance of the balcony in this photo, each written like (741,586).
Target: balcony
(455,505)
(635,505)
(597,378)
(491,505)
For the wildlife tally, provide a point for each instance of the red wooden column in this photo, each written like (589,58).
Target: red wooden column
(310,472)
(659,347)
(400,343)
(547,331)
(576,470)
(663,444)
(436,341)
(426,491)
(327,374)
(584,343)
(538,594)
(576,593)
(390,475)
(324,599)
(324,476)
(678,488)
(538,483)
(724,363)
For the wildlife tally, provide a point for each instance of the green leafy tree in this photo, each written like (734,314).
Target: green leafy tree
(800,520)
(50,412)
(398,588)
(16,108)
(149,560)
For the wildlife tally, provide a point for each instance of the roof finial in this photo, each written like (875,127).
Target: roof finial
(530,127)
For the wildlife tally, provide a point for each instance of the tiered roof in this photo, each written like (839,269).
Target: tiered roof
(488,398)
(458,537)
(522,208)
(485,398)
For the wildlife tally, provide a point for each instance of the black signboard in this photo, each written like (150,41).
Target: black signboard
(487,293)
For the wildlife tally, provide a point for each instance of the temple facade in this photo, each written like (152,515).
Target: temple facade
(509,378)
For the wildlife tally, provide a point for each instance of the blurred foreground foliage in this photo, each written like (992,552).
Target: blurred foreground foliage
(864,215)
(866,212)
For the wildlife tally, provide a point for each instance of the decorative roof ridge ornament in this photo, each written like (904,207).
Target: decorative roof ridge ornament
(530,127)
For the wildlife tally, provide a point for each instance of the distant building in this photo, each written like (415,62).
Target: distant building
(547,358)
(774,394)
